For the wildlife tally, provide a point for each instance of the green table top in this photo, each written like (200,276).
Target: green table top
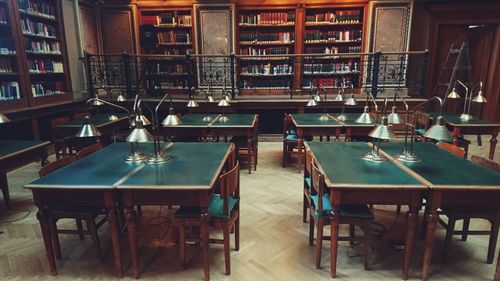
(194,120)
(454,119)
(100,170)
(343,166)
(236,120)
(443,169)
(99,120)
(17,146)
(312,120)
(194,166)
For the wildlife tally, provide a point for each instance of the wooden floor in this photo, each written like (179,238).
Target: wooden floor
(273,240)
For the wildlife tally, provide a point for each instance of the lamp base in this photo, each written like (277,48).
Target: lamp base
(223,118)
(406,156)
(324,117)
(374,157)
(113,117)
(159,159)
(207,118)
(465,117)
(341,117)
(136,158)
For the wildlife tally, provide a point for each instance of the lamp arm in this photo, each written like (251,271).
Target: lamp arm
(156,140)
(111,104)
(135,102)
(370,96)
(434,98)
(480,85)
(407,113)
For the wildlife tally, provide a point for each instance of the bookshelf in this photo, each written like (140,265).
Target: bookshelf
(261,33)
(332,30)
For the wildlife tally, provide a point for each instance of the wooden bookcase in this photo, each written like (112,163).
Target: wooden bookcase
(40,63)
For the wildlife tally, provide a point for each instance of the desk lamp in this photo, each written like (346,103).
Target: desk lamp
(478,99)
(121,97)
(191,102)
(366,117)
(223,103)
(394,117)
(438,132)
(139,114)
(138,135)
(89,130)
(349,101)
(209,99)
(380,132)
(4,119)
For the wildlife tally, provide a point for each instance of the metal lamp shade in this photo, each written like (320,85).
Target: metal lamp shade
(228,98)
(139,133)
(382,131)
(121,98)
(351,100)
(192,104)
(439,131)
(97,102)
(223,103)
(312,102)
(145,121)
(88,130)
(394,117)
(453,94)
(318,98)
(365,117)
(4,119)
(338,97)
(479,98)
(172,119)
(210,98)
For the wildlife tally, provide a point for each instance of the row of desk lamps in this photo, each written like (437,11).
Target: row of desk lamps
(138,120)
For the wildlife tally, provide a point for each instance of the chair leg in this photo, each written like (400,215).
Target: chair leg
(465,229)
(182,243)
(91,227)
(55,239)
(237,233)
(311,229)
(352,233)
(139,211)
(79,226)
(227,257)
(304,209)
(398,209)
(284,155)
(319,242)
(493,241)
(366,246)
(448,238)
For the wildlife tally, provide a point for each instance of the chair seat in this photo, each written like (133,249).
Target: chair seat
(296,138)
(347,211)
(215,208)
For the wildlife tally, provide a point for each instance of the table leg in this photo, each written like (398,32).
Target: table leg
(249,147)
(5,190)
(205,240)
(432,219)
(112,217)
(45,156)
(411,220)
(455,134)
(300,144)
(348,134)
(43,218)
(337,134)
(334,236)
(132,237)
(497,273)
(493,144)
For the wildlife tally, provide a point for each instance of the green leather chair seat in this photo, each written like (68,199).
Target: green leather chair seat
(215,208)
(296,138)
(348,211)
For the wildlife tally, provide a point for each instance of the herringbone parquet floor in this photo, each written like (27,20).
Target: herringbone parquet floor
(273,240)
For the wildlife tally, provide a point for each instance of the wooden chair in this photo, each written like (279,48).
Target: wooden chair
(243,150)
(88,150)
(422,122)
(466,214)
(224,214)
(458,151)
(290,139)
(319,214)
(83,213)
(66,145)
(307,184)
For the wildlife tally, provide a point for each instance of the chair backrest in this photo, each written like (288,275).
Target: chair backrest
(308,163)
(231,158)
(58,121)
(487,163)
(88,150)
(230,186)
(55,165)
(318,185)
(458,151)
(422,120)
(287,124)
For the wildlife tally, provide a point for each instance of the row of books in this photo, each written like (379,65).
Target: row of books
(331,68)
(268,18)
(47,89)
(332,50)
(176,51)
(44,8)
(170,37)
(327,82)
(266,84)
(7,46)
(3,15)
(349,16)
(5,66)
(267,37)
(333,35)
(45,66)
(42,47)
(267,69)
(163,68)
(252,51)
(9,91)
(38,28)
(172,18)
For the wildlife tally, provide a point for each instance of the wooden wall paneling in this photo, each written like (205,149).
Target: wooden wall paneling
(118,29)
(300,18)
(491,110)
(90,28)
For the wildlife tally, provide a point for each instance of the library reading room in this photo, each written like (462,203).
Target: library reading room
(249,140)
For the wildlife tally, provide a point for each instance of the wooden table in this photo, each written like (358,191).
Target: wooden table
(353,180)
(473,126)
(15,154)
(101,121)
(309,124)
(188,179)
(452,181)
(239,125)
